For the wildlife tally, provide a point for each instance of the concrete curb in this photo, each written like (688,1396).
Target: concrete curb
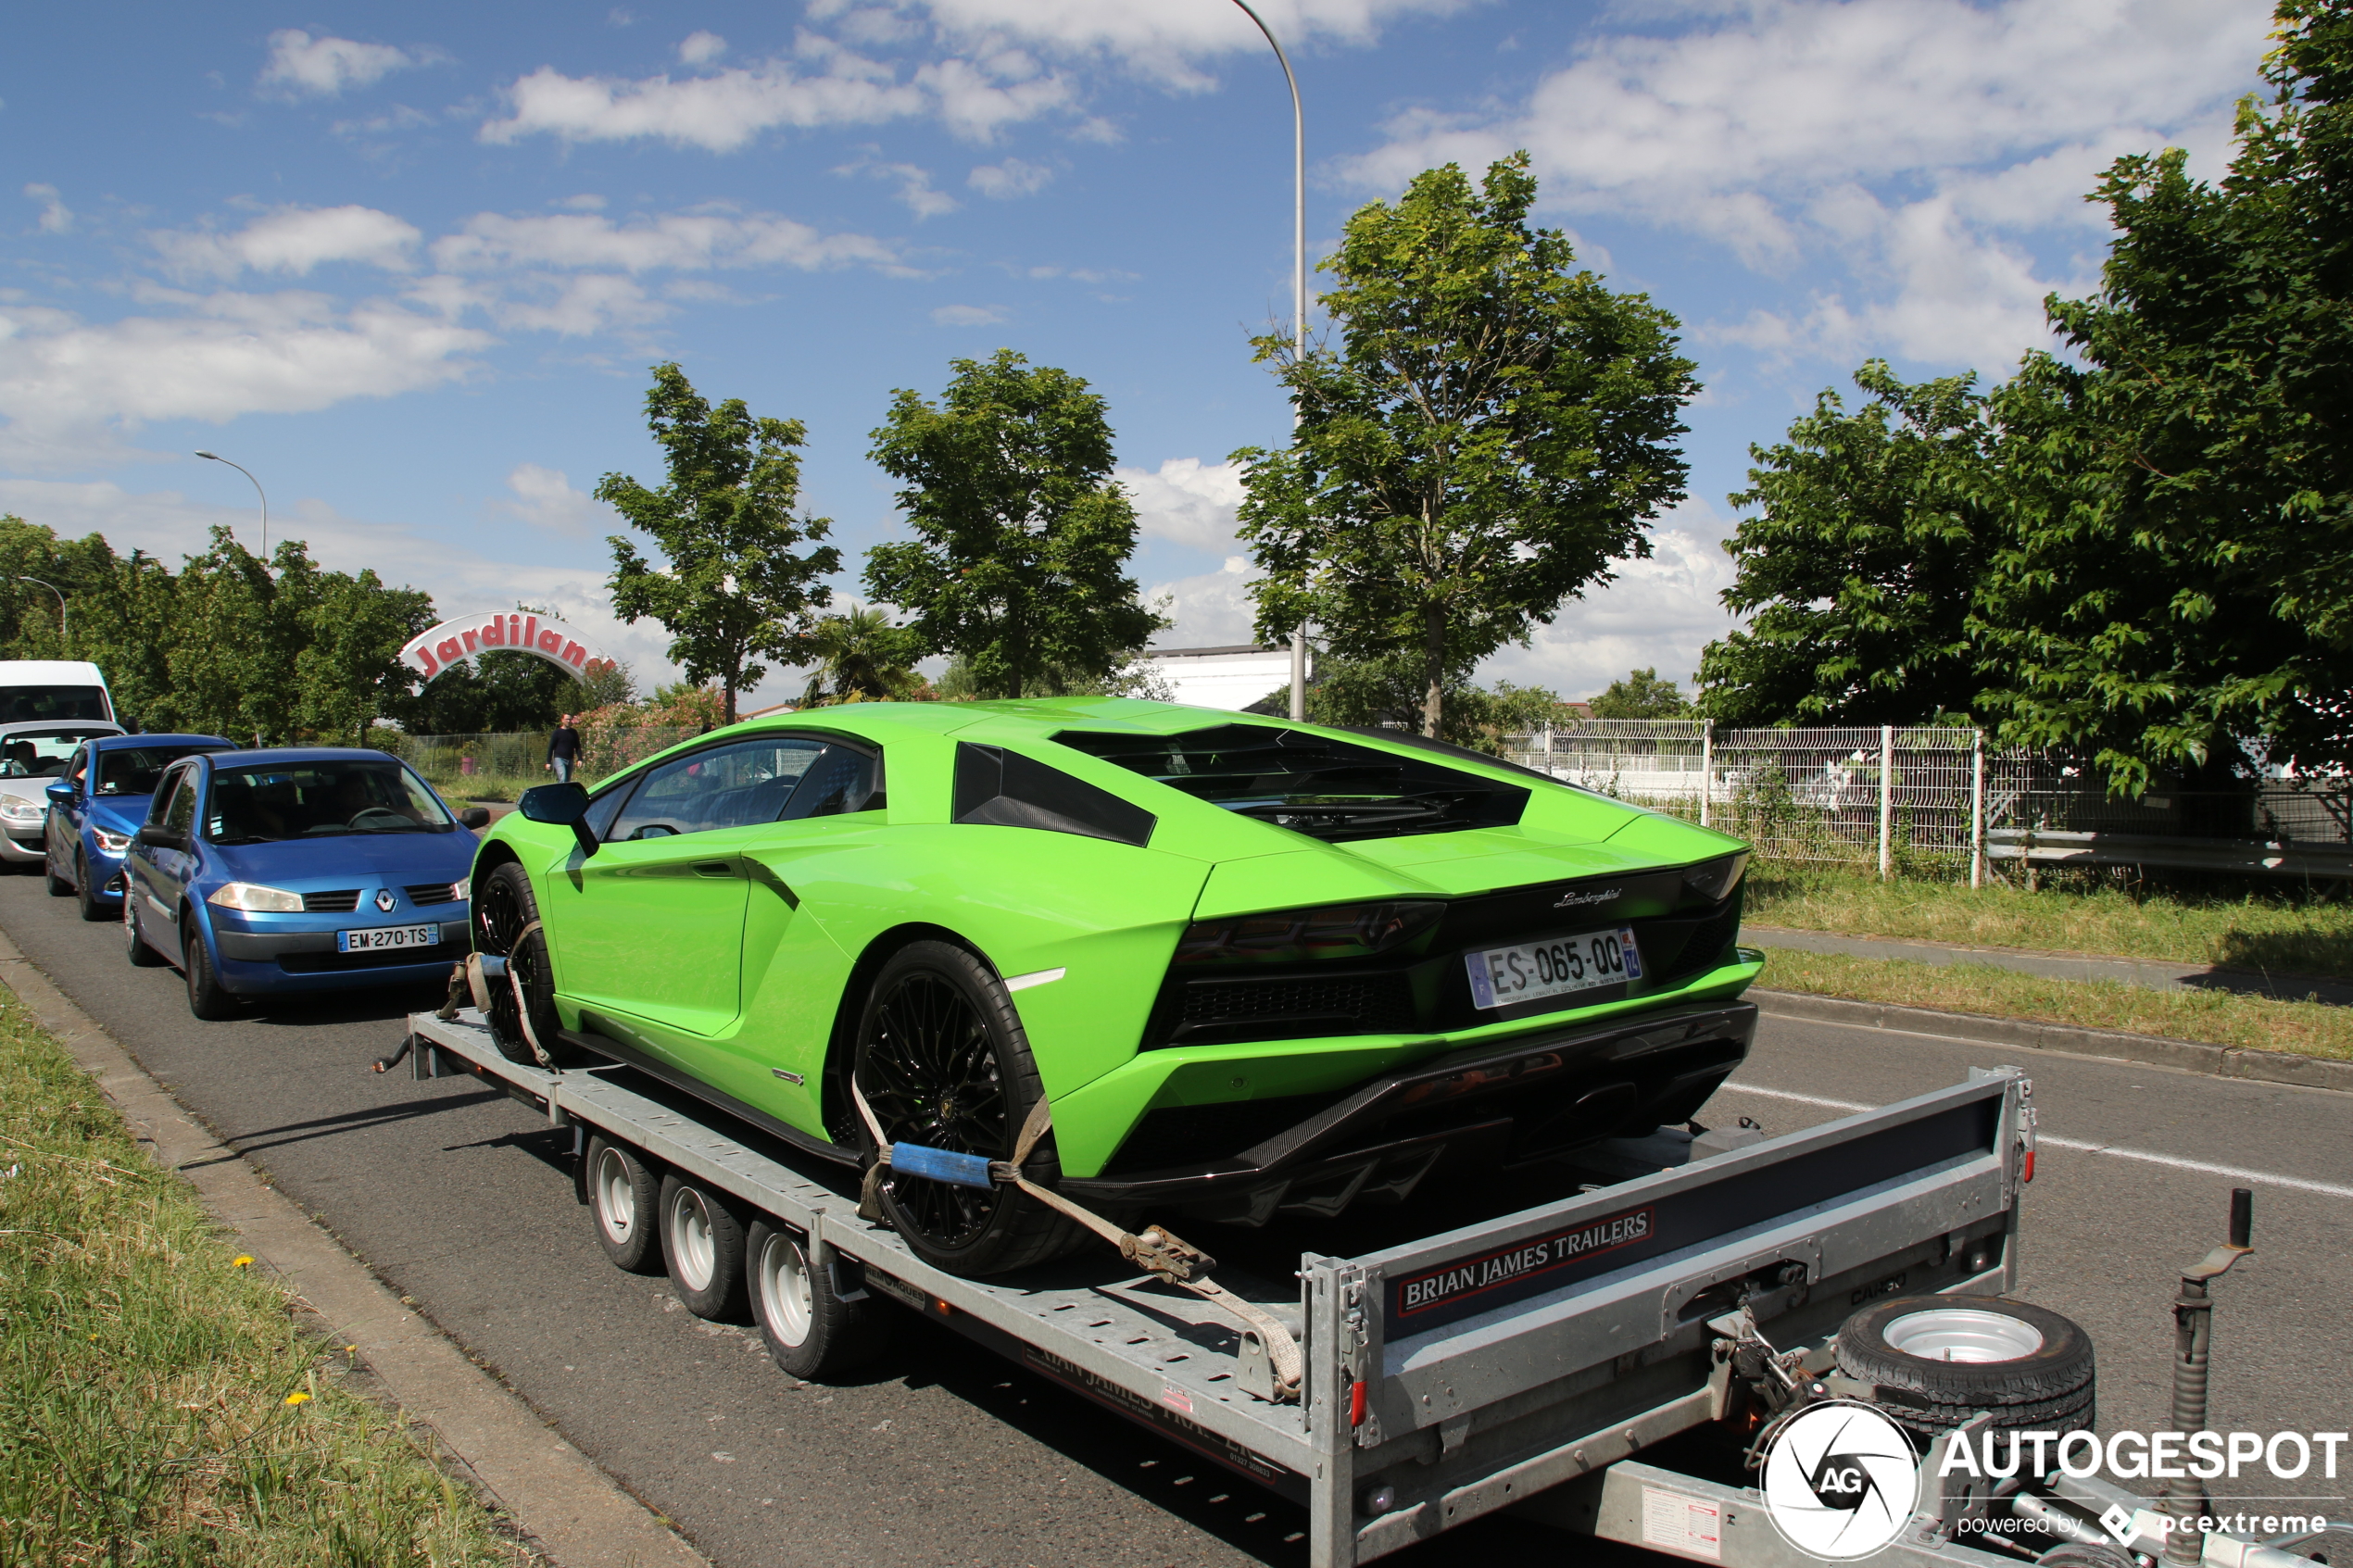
(571,1510)
(2187,1056)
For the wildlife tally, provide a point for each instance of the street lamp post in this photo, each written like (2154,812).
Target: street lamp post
(65,624)
(256,490)
(1299,302)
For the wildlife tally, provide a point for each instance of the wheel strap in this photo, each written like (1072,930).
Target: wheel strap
(522,1006)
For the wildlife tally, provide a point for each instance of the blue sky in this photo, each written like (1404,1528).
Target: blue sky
(408,265)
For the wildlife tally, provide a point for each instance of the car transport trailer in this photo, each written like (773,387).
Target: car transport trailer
(1602,1358)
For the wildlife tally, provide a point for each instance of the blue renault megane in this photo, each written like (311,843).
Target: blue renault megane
(109,782)
(298,869)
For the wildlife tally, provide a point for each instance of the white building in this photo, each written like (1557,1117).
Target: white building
(1231,677)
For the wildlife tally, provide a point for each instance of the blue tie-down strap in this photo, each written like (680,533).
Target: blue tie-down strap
(940,1165)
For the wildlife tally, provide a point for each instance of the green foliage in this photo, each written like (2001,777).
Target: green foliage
(861,656)
(736,591)
(350,671)
(1018,566)
(157,1403)
(1642,695)
(1389,691)
(1493,430)
(1857,570)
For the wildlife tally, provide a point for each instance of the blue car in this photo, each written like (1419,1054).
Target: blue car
(264,873)
(109,782)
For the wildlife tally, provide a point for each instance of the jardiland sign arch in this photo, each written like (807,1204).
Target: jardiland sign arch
(452,642)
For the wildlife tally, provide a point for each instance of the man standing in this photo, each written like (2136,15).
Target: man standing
(563,749)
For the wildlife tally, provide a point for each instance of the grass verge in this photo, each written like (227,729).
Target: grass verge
(2218,1017)
(2278,933)
(158,1404)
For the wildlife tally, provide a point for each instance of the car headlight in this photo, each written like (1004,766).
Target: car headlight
(254,898)
(1713,879)
(112,843)
(16,809)
(462,890)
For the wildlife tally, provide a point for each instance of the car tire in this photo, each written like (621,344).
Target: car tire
(84,894)
(702,1238)
(2027,1366)
(624,1195)
(59,887)
(937,1026)
(504,909)
(207,998)
(135,940)
(808,1329)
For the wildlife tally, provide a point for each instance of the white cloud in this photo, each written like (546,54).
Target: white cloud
(1002,182)
(70,388)
(1919,145)
(291,239)
(545,499)
(701,47)
(692,241)
(1212,609)
(1186,501)
(55,217)
(1658,614)
(914,183)
(969,315)
(719,113)
(302,66)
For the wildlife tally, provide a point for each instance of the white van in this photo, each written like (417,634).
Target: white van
(41,690)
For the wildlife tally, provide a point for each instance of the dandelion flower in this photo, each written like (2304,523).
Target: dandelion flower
(297,1397)
(241,1261)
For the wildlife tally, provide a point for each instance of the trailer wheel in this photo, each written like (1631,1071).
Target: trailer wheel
(1938,1360)
(943,1061)
(703,1239)
(810,1331)
(623,1195)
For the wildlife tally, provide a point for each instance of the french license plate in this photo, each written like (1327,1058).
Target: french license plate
(1501,976)
(387,937)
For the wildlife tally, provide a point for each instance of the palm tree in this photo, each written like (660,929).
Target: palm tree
(862,656)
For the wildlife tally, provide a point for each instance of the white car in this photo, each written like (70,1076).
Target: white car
(34,756)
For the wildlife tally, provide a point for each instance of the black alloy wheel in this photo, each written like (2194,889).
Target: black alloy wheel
(505,908)
(943,1062)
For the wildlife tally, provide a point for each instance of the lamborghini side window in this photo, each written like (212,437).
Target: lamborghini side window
(725,787)
(603,809)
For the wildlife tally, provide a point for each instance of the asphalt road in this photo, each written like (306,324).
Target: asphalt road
(944,1454)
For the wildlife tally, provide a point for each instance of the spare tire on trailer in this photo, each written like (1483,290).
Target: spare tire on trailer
(1936,1361)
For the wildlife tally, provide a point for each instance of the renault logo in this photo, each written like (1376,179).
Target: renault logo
(384,900)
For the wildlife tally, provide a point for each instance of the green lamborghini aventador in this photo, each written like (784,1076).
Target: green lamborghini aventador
(1257,968)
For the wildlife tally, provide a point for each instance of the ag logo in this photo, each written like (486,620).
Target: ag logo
(1840,1481)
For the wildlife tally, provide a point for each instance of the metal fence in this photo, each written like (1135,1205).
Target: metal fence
(1936,799)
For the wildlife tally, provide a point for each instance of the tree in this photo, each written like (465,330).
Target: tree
(1493,430)
(350,673)
(862,656)
(1018,565)
(1642,695)
(736,591)
(1386,693)
(1859,567)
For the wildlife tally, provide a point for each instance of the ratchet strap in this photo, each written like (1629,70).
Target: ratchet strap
(1155,1249)
(478,984)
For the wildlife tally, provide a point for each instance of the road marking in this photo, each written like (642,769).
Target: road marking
(2171,1161)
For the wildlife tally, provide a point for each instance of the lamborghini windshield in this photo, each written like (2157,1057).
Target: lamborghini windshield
(1312,783)
(264,801)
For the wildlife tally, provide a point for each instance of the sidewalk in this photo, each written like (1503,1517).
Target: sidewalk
(2156,974)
